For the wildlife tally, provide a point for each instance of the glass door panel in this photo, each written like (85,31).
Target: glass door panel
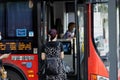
(80,14)
(100,32)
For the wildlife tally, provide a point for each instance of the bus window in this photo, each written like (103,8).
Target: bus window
(16,21)
(2,18)
(81,37)
(100,33)
(19,19)
(69,17)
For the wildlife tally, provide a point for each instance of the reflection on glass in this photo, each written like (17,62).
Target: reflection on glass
(101,38)
(118,55)
(81,38)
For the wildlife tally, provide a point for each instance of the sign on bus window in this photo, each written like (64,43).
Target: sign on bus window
(21,32)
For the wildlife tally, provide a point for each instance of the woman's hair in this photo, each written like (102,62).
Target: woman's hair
(52,33)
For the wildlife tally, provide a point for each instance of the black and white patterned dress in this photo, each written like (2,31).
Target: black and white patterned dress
(53,49)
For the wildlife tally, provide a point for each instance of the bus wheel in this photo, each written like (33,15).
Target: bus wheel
(12,75)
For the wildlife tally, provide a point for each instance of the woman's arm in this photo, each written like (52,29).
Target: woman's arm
(43,56)
(62,55)
(4,56)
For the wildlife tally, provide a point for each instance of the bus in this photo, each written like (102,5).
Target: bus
(24,26)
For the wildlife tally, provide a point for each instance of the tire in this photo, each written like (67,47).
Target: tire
(13,75)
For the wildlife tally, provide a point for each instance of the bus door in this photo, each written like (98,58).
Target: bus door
(92,39)
(80,17)
(100,37)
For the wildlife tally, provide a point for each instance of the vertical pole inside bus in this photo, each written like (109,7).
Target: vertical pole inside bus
(77,41)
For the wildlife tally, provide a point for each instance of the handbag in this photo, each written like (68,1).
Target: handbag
(52,66)
(67,68)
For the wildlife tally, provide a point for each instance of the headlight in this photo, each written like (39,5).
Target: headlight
(102,78)
(98,77)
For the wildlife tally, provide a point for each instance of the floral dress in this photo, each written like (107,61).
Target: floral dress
(53,49)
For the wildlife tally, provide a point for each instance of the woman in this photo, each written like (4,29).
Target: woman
(50,49)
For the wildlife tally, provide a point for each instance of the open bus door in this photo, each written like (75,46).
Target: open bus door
(88,64)
(79,18)
(92,37)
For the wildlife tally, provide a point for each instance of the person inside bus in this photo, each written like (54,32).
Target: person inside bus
(70,33)
(59,27)
(50,49)
(2,69)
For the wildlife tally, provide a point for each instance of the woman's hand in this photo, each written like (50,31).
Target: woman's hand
(6,55)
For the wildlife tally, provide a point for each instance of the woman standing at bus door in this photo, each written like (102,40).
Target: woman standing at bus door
(50,49)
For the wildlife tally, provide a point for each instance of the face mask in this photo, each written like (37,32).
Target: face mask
(0,37)
(73,30)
